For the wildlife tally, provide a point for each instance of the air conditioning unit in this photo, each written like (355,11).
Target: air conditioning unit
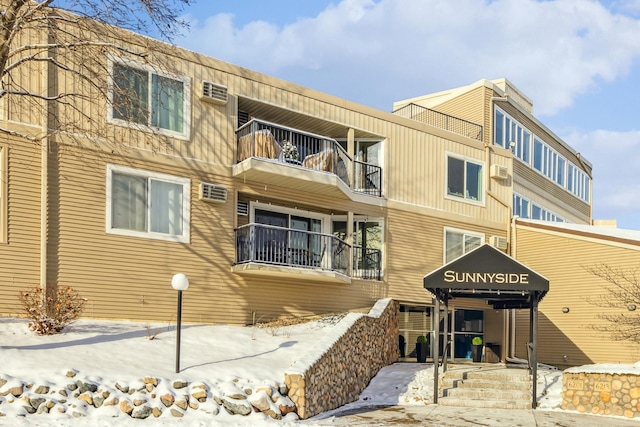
(499,242)
(212,192)
(214,93)
(499,172)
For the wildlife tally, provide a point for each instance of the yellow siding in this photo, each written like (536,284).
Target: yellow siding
(416,243)
(562,258)
(20,266)
(129,277)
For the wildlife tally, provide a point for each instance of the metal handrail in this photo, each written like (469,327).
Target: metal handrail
(290,247)
(262,139)
(440,120)
(367,262)
(443,360)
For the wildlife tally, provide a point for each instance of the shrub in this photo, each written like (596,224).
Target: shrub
(476,341)
(421,339)
(49,315)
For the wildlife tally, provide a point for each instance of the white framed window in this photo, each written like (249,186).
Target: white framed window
(459,242)
(147,204)
(140,96)
(4,177)
(465,178)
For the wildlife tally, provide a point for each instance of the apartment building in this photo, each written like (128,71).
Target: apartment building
(273,198)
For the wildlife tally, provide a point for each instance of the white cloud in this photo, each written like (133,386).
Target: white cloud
(553,51)
(377,52)
(617,161)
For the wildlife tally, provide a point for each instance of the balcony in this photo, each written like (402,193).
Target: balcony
(279,155)
(275,251)
(440,120)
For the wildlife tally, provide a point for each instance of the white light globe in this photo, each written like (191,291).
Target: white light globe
(179,282)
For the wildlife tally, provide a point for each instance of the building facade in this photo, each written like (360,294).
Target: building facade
(273,198)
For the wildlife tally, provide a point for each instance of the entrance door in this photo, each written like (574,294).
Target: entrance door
(464,325)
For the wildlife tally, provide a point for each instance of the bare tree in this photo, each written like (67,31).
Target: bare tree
(54,57)
(621,291)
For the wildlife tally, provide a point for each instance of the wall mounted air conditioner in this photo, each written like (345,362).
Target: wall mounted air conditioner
(214,93)
(212,192)
(498,242)
(499,172)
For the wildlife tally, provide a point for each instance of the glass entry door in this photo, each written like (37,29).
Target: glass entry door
(463,325)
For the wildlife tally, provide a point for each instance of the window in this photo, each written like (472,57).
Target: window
(464,179)
(499,129)
(141,97)
(458,243)
(147,204)
(3,193)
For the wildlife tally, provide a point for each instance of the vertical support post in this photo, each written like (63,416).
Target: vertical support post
(436,348)
(534,351)
(445,338)
(178,329)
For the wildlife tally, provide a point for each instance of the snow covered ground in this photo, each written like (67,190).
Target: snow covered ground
(220,356)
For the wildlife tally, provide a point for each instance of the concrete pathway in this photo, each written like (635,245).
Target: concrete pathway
(444,416)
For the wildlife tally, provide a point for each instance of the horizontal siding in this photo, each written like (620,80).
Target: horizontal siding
(20,266)
(416,243)
(562,258)
(129,277)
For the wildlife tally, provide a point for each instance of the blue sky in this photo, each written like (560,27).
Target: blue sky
(577,60)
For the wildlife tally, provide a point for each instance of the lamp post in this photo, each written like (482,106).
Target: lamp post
(180,283)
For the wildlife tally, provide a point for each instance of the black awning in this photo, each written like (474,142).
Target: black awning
(489,274)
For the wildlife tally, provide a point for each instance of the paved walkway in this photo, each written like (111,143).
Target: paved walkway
(446,416)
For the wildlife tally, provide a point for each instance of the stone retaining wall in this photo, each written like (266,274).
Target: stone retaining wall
(601,393)
(340,374)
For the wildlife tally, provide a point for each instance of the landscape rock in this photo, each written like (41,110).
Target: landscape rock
(142,412)
(36,402)
(167,399)
(42,389)
(236,406)
(126,407)
(178,384)
(86,386)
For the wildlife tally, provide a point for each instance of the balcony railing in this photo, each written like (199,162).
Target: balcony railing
(367,263)
(440,120)
(288,247)
(294,147)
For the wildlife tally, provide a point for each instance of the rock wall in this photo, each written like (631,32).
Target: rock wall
(601,393)
(347,357)
(340,374)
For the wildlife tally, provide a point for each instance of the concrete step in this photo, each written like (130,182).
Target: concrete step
(486,384)
(484,403)
(489,394)
(504,375)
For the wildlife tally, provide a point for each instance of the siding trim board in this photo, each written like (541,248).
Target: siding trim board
(629,243)
(4,178)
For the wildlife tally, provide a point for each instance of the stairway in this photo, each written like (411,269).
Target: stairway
(487,386)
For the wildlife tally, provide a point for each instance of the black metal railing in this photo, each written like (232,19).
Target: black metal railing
(367,263)
(289,247)
(440,120)
(295,147)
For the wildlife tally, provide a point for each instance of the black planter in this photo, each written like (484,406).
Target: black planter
(476,352)
(422,351)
